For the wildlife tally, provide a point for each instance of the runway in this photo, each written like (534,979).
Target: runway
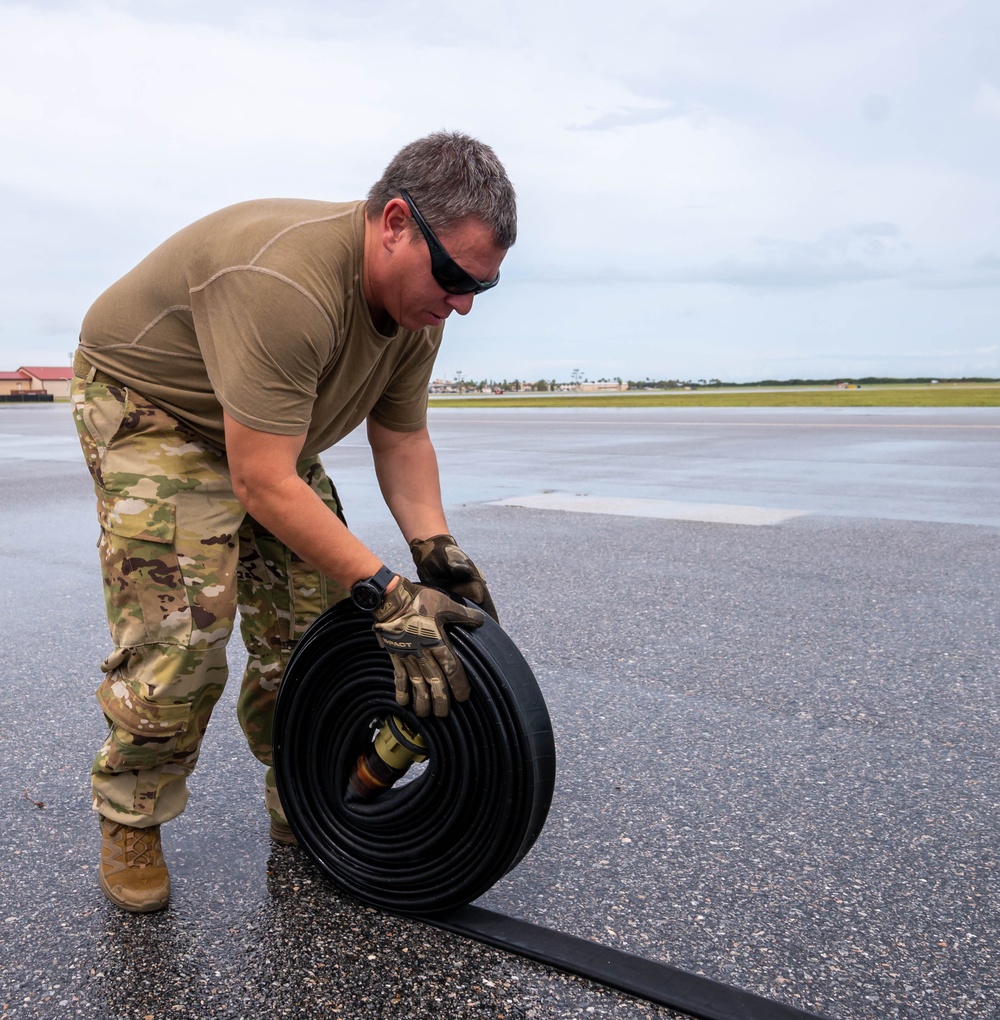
(768,639)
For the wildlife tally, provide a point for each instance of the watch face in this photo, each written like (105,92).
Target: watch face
(366,596)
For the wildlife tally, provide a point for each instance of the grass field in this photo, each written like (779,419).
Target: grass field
(888,395)
(940,395)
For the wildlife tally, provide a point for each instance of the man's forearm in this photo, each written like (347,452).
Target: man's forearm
(297,516)
(407,473)
(263,470)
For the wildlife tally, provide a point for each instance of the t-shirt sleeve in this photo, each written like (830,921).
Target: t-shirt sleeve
(265,342)
(402,406)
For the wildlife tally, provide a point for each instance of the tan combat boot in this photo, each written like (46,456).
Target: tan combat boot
(281,832)
(133,873)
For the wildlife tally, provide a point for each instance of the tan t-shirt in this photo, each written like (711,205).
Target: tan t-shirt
(259,309)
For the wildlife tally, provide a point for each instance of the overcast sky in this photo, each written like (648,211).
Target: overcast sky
(734,189)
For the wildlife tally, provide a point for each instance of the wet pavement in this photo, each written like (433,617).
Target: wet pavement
(777,742)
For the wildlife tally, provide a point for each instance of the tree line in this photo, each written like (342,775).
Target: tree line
(868,380)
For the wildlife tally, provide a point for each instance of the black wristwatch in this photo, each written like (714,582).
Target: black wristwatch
(368,594)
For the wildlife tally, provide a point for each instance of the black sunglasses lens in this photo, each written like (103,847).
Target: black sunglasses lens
(455,284)
(453,278)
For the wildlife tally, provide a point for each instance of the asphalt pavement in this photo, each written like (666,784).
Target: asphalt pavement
(768,643)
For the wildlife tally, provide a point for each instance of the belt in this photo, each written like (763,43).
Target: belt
(85,370)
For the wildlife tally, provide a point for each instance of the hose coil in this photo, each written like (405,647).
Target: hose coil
(442,838)
(431,846)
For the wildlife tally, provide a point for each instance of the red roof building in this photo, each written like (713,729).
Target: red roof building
(52,380)
(13,382)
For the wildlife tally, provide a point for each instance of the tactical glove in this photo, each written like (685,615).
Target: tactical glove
(441,563)
(410,627)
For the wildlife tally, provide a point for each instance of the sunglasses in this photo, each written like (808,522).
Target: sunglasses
(448,273)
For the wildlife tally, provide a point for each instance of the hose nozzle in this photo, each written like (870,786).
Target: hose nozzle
(395,748)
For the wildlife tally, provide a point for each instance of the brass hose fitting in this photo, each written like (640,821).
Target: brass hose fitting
(395,748)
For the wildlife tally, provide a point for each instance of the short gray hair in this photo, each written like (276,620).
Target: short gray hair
(450,177)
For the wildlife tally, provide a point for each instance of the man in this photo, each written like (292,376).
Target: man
(208,379)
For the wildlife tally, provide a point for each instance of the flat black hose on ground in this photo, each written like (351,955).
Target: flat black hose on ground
(431,846)
(466,818)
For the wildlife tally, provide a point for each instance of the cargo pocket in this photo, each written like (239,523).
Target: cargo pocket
(146,741)
(98,412)
(144,733)
(103,412)
(146,597)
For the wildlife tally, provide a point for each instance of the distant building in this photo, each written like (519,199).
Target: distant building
(54,381)
(13,382)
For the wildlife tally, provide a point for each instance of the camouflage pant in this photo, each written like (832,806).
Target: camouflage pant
(179,555)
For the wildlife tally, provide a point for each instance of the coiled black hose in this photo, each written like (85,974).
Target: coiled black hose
(431,846)
(472,813)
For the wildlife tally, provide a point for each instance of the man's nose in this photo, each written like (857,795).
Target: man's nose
(462,303)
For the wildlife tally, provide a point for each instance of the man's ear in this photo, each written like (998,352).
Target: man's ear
(395,222)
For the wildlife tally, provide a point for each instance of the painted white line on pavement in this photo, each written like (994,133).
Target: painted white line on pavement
(710,513)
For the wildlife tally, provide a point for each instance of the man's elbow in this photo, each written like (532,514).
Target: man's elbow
(261,464)
(267,497)
(251,486)
(244,490)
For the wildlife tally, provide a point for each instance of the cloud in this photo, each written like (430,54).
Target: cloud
(864,252)
(980,272)
(875,107)
(613,120)
(672,161)
(987,101)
